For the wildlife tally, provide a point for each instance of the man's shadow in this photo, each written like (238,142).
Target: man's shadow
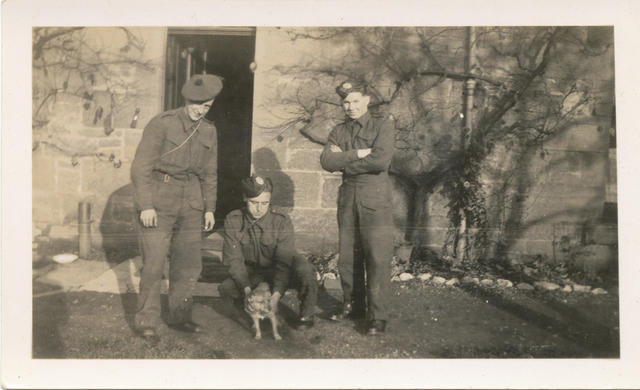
(266,164)
(120,243)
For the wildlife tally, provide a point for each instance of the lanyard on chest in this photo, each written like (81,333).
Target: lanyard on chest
(195,128)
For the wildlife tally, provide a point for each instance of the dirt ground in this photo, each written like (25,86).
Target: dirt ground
(425,322)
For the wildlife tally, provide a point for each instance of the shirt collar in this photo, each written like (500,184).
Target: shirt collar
(184,118)
(363,120)
(248,221)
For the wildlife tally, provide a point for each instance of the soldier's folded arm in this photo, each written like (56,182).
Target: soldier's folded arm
(232,253)
(381,153)
(209,179)
(336,161)
(284,256)
(148,153)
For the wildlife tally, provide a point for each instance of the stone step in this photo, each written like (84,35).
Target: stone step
(210,255)
(213,241)
(204,289)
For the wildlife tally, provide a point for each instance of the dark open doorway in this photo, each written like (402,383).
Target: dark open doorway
(227,52)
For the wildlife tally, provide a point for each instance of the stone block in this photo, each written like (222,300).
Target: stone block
(594,170)
(539,247)
(299,141)
(319,222)
(68,206)
(107,151)
(44,208)
(304,160)
(315,221)
(91,132)
(330,188)
(68,180)
(271,155)
(67,110)
(283,187)
(586,137)
(43,172)
(432,236)
(111,142)
(62,232)
(594,259)
(603,234)
(132,138)
(314,243)
(307,189)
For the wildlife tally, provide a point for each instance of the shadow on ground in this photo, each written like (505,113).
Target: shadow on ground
(425,322)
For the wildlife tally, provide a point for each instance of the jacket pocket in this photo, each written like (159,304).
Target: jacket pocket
(205,149)
(172,151)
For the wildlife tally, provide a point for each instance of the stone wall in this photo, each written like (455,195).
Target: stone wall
(76,160)
(557,190)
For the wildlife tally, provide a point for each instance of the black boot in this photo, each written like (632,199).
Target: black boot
(376,327)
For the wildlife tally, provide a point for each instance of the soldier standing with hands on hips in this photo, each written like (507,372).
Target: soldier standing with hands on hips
(362,148)
(174,174)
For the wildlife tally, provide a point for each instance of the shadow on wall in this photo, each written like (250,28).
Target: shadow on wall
(117,226)
(265,163)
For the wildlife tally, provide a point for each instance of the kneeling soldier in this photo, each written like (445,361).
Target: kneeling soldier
(259,247)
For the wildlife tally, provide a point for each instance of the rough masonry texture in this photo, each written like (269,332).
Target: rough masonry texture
(76,160)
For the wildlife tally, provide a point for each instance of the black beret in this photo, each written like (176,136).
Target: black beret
(255,185)
(346,87)
(202,87)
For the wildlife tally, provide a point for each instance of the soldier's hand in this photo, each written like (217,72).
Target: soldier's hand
(362,153)
(209,221)
(149,218)
(247,291)
(335,148)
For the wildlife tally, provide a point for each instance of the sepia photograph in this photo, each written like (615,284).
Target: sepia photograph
(322,192)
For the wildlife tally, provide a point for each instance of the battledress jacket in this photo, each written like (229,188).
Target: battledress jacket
(370,174)
(197,158)
(265,245)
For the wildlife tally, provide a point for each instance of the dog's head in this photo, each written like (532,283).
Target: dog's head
(259,300)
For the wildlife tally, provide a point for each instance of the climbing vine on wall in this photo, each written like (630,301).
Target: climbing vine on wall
(531,84)
(71,69)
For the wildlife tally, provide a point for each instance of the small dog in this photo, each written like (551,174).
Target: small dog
(258,305)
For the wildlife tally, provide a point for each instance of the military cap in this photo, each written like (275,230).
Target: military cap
(255,185)
(346,87)
(202,87)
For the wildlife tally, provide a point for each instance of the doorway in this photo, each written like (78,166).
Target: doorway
(226,52)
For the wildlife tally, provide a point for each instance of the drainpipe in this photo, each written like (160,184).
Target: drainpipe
(469,86)
(84,229)
(189,61)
